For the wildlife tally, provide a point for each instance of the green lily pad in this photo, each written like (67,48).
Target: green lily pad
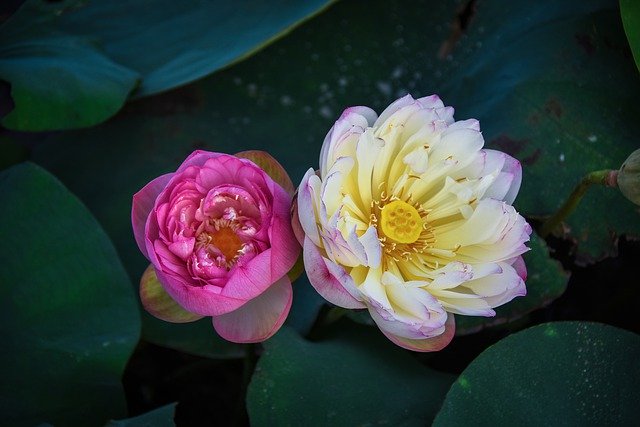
(356,378)
(569,373)
(160,417)
(68,72)
(630,12)
(306,306)
(68,317)
(61,82)
(186,40)
(546,281)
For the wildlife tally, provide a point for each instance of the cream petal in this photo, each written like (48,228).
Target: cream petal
(391,109)
(367,153)
(417,316)
(467,304)
(372,247)
(461,145)
(428,344)
(485,225)
(354,117)
(430,102)
(499,187)
(472,124)
(332,185)
(509,175)
(373,289)
(417,160)
(513,167)
(308,196)
(498,289)
(450,276)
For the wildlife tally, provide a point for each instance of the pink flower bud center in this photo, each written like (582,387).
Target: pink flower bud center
(227,242)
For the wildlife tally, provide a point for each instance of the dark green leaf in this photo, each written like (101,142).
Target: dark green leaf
(11,152)
(68,317)
(181,41)
(60,82)
(565,373)
(356,378)
(161,417)
(306,306)
(546,281)
(630,11)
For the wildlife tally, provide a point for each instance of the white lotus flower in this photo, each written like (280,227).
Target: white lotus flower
(411,218)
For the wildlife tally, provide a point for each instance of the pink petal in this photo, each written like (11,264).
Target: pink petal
(204,300)
(520,267)
(143,202)
(198,158)
(329,279)
(429,344)
(250,280)
(208,178)
(284,244)
(259,318)
(183,248)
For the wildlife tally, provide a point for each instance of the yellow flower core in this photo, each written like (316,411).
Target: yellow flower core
(227,241)
(401,222)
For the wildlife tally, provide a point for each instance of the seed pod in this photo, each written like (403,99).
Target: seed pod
(629,177)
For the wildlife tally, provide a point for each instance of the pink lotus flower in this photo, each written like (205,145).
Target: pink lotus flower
(410,218)
(218,234)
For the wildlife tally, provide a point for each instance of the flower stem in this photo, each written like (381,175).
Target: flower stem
(606,177)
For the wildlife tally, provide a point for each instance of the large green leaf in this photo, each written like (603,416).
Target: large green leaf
(61,83)
(630,12)
(68,317)
(546,281)
(356,378)
(568,373)
(66,81)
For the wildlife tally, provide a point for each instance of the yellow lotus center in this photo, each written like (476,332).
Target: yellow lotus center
(227,241)
(401,222)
